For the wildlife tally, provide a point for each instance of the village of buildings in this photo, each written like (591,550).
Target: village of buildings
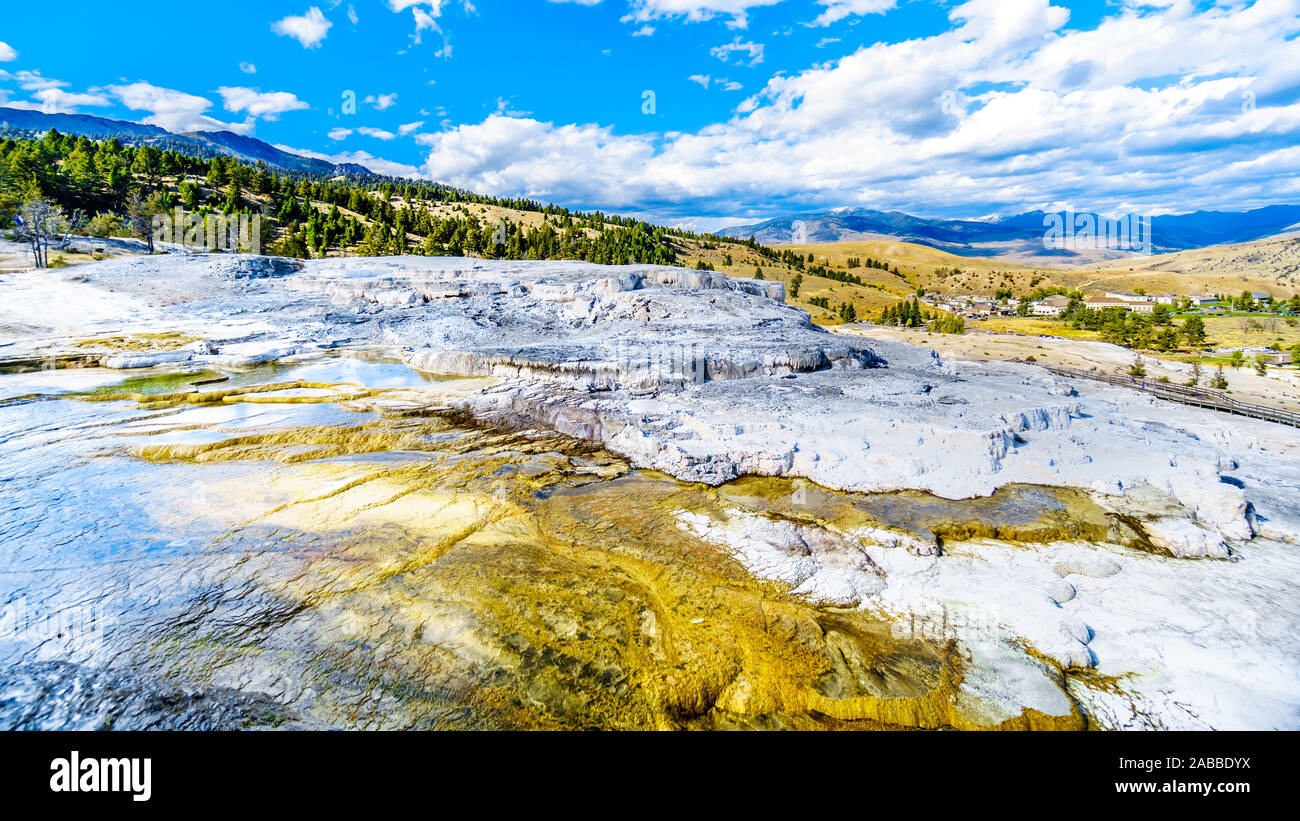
(1057,306)
(976,307)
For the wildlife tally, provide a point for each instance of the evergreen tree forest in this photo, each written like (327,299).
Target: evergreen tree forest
(105,188)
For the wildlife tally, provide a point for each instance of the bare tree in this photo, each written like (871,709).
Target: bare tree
(42,222)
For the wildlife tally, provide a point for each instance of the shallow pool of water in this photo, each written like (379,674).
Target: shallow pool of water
(313,563)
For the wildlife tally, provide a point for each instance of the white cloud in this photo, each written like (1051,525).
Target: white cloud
(702,79)
(174,110)
(267,105)
(425,14)
(837,10)
(248,68)
(503,153)
(381,102)
(35,81)
(7,52)
(378,165)
(424,20)
(643,11)
(504,107)
(407,128)
(309,29)
(1005,111)
(58,101)
(352,14)
(725,51)
(50,95)
(337,134)
(377,133)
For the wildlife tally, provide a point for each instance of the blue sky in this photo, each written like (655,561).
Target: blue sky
(706,112)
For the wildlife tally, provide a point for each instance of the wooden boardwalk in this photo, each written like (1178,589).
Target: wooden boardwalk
(1199,397)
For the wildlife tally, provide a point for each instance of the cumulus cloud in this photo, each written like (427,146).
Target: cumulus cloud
(266,105)
(248,68)
(309,29)
(7,52)
(174,110)
(1006,110)
(563,163)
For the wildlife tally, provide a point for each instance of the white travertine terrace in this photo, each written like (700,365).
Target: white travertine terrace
(709,378)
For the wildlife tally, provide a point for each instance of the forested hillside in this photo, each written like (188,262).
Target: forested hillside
(104,188)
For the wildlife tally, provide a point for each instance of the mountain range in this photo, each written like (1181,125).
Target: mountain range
(1015,237)
(197,143)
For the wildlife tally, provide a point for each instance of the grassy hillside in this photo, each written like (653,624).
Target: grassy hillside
(1268,266)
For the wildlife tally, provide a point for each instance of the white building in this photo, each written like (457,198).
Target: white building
(1101,303)
(1054,305)
(1127,297)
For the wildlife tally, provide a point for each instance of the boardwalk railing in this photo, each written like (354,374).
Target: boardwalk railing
(1188,395)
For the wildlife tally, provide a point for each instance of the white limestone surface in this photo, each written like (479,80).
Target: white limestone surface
(710,378)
